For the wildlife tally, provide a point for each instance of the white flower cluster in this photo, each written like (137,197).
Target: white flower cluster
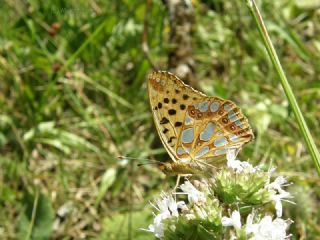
(265,229)
(257,226)
(281,194)
(167,208)
(240,166)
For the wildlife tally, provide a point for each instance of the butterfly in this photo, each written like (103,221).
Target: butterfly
(196,130)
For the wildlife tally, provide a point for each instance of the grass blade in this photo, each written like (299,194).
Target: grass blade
(285,84)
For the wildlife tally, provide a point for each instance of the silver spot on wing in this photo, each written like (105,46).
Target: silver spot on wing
(220,142)
(188,120)
(232,116)
(202,107)
(214,106)
(203,151)
(208,132)
(181,150)
(187,135)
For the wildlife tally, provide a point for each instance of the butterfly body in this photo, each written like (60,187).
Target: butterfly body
(196,130)
(176,168)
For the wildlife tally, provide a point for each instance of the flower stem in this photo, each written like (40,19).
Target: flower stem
(285,84)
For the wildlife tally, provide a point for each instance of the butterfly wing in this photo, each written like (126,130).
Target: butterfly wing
(169,100)
(191,125)
(219,125)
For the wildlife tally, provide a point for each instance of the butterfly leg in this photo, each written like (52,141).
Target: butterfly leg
(177,183)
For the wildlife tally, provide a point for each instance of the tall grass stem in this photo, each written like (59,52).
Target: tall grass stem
(285,84)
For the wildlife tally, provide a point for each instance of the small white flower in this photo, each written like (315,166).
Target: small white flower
(157,226)
(234,220)
(162,206)
(271,171)
(231,155)
(237,165)
(173,205)
(250,227)
(282,195)
(194,195)
(267,229)
(168,208)
(232,162)
(278,183)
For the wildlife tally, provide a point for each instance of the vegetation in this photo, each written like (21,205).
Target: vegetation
(73,98)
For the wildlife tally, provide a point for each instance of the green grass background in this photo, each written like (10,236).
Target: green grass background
(74,99)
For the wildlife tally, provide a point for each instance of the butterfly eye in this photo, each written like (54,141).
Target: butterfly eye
(221,112)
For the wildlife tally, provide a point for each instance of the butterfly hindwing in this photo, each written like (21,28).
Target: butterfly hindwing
(220,126)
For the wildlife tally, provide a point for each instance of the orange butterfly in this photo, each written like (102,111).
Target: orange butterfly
(196,130)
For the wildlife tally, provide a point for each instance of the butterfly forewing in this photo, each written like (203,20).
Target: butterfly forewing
(169,100)
(191,125)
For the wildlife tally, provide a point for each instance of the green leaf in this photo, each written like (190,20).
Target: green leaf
(36,219)
(48,133)
(127,225)
(107,180)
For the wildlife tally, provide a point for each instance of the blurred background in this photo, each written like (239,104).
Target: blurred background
(73,98)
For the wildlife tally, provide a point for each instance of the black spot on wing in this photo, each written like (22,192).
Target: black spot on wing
(164,131)
(164,120)
(178,124)
(172,111)
(185,96)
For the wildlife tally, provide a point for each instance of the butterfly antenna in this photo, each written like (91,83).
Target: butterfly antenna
(147,160)
(133,158)
(149,163)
